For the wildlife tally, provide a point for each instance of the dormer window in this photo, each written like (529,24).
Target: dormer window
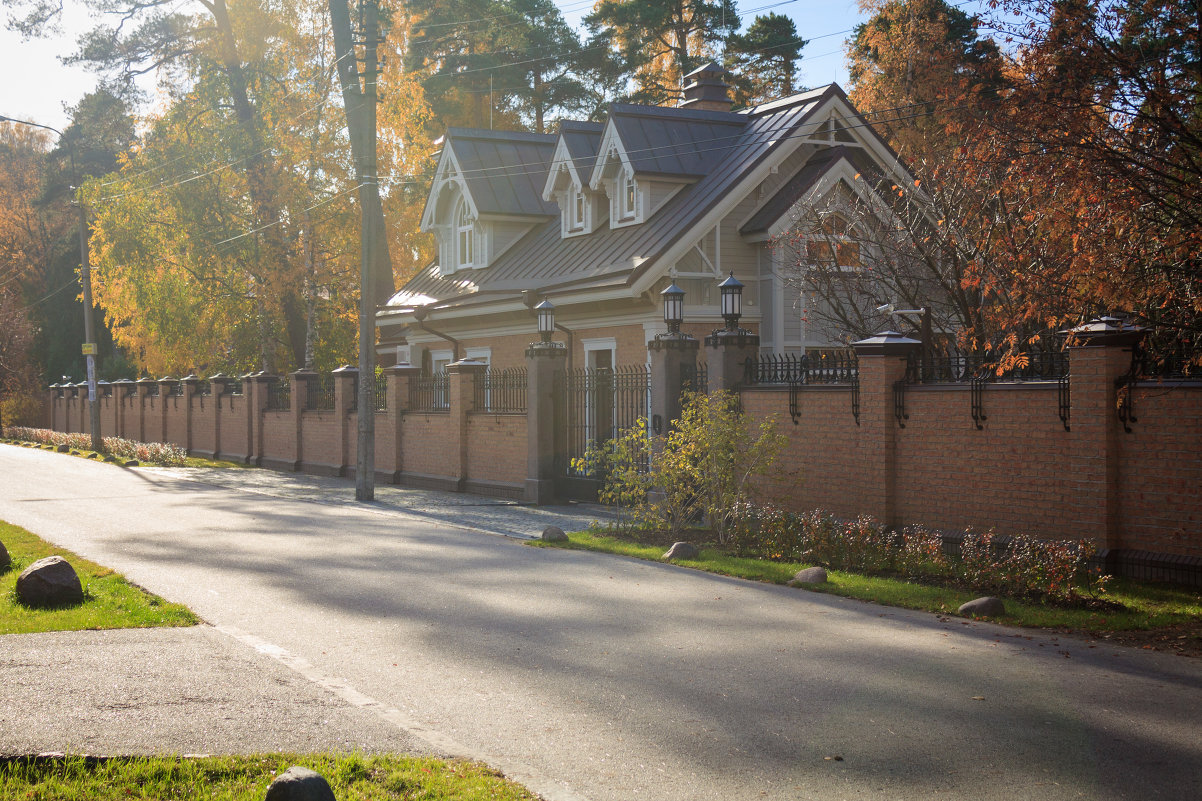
(630,196)
(464,237)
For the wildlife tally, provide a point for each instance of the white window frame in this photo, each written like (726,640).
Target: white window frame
(465,236)
(629,196)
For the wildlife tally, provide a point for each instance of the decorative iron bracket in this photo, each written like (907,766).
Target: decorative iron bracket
(855,398)
(1125,388)
(1063,400)
(899,402)
(977,399)
(794,402)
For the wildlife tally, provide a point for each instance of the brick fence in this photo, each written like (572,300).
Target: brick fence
(1100,456)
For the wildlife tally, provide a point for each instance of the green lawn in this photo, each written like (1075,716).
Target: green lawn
(245,778)
(110,602)
(1144,606)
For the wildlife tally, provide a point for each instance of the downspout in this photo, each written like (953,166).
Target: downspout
(419,315)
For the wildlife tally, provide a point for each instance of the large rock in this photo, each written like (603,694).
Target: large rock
(811,575)
(683,550)
(554,534)
(299,784)
(5,561)
(983,607)
(49,582)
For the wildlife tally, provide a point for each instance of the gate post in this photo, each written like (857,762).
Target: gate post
(726,353)
(543,361)
(463,377)
(670,354)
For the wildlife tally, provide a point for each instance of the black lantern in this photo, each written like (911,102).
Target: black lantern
(673,308)
(546,320)
(732,301)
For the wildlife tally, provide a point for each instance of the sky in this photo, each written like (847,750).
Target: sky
(45,99)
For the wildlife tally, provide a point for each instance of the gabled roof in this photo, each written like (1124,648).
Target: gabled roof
(658,141)
(576,152)
(504,170)
(805,179)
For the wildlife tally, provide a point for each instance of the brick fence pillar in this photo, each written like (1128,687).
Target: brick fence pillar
(189,383)
(1102,354)
(726,355)
(159,429)
(543,361)
(398,377)
(124,395)
(345,390)
(144,400)
(299,401)
(882,371)
(256,386)
(463,376)
(81,404)
(219,386)
(673,356)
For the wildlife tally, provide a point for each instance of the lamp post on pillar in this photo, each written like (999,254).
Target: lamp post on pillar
(543,360)
(672,354)
(727,349)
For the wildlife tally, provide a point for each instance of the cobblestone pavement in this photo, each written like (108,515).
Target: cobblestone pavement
(478,512)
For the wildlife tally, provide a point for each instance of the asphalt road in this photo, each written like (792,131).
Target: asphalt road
(595,677)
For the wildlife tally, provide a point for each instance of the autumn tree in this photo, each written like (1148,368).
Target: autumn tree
(661,41)
(763,60)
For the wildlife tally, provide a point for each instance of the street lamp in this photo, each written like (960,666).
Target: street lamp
(546,320)
(85,277)
(673,307)
(732,301)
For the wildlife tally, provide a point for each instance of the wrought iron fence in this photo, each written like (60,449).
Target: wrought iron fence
(177,389)
(430,392)
(379,393)
(502,391)
(204,388)
(595,404)
(279,395)
(234,387)
(964,368)
(816,366)
(152,390)
(319,392)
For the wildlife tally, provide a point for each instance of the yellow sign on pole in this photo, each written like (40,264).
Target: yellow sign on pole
(89,349)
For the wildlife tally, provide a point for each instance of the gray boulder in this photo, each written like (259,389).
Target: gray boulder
(983,607)
(682,550)
(299,784)
(5,561)
(554,534)
(811,575)
(49,582)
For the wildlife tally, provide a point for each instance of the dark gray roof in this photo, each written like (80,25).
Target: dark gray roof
(803,180)
(582,139)
(544,259)
(674,141)
(504,170)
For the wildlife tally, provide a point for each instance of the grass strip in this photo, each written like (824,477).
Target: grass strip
(1145,606)
(110,602)
(243,778)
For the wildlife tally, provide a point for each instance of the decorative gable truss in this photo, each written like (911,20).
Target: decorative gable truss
(634,197)
(469,238)
(582,208)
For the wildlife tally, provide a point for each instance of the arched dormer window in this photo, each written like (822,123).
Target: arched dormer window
(464,236)
(629,195)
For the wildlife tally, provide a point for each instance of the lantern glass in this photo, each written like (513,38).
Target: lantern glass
(673,307)
(732,300)
(546,319)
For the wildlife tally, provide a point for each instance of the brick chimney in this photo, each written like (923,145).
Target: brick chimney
(705,90)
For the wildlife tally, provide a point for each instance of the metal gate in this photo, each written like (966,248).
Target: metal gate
(593,405)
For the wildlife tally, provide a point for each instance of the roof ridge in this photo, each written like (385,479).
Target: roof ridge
(794,100)
(682,114)
(485,133)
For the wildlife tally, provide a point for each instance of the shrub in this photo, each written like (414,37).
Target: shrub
(21,410)
(1020,567)
(160,453)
